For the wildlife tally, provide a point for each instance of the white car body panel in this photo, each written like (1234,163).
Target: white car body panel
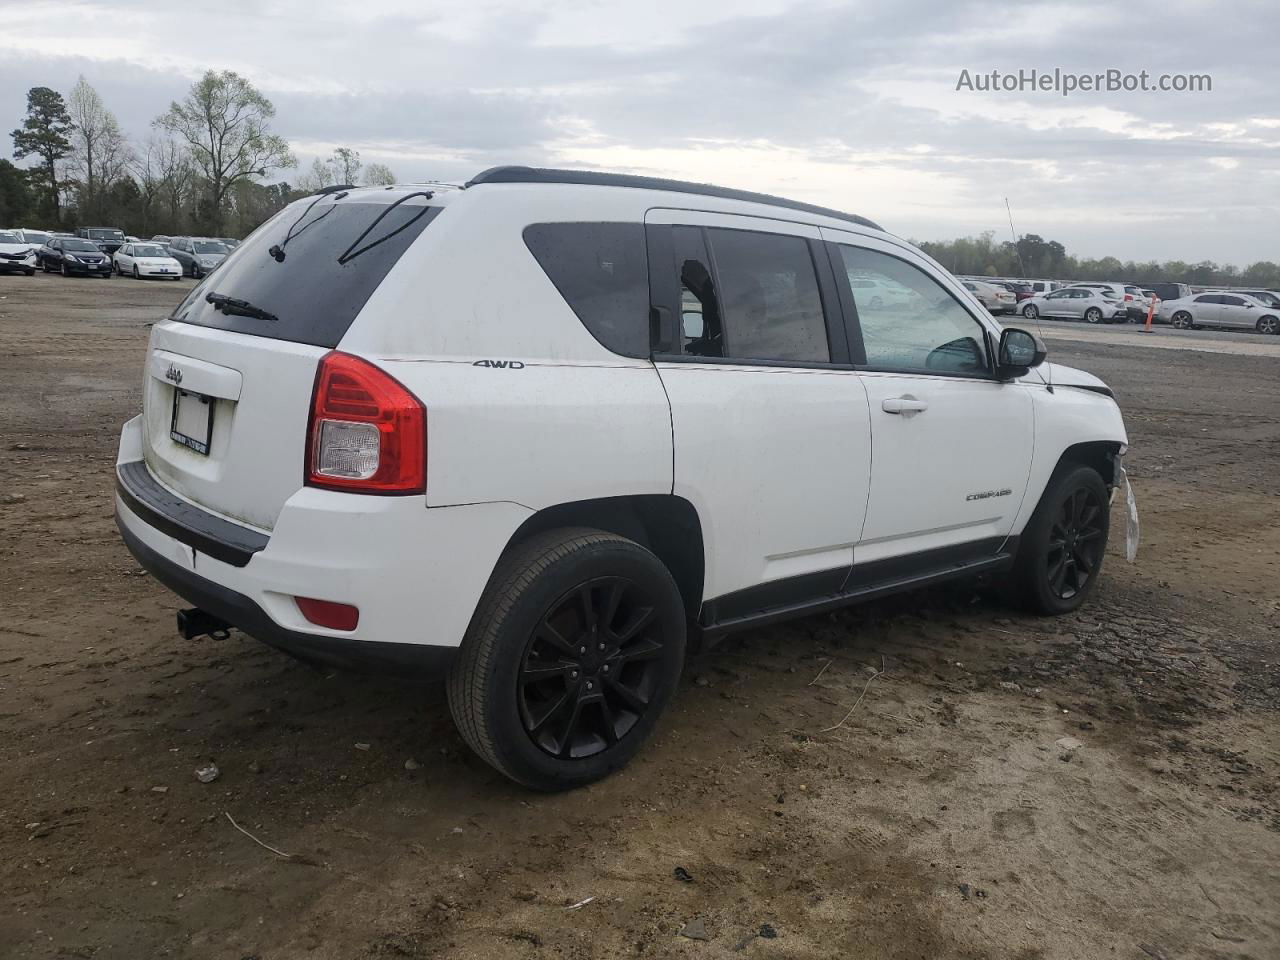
(1243,316)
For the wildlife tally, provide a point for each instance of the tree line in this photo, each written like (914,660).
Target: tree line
(201,170)
(1034,257)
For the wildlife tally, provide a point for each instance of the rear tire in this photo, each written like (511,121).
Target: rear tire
(1093,315)
(1181,320)
(1061,550)
(551,694)
(1030,311)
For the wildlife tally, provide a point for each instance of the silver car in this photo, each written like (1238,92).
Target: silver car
(1076,303)
(995,299)
(1235,310)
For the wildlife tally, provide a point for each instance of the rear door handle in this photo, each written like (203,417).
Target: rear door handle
(907,406)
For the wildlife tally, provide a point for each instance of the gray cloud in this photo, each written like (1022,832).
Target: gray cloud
(849,105)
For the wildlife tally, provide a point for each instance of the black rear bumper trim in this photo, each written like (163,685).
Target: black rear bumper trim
(171,515)
(245,615)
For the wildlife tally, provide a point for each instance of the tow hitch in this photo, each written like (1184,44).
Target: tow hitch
(196,623)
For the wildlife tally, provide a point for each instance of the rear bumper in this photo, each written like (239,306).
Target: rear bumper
(415,573)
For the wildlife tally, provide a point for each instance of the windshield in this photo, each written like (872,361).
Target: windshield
(314,297)
(209,247)
(7,237)
(148,250)
(106,234)
(79,245)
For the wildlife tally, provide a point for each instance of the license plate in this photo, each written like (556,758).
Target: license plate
(192,423)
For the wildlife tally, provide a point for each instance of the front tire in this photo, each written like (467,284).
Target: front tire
(1061,550)
(136,275)
(65,271)
(1268,325)
(575,648)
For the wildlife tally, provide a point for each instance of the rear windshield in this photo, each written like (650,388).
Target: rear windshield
(105,234)
(209,247)
(313,297)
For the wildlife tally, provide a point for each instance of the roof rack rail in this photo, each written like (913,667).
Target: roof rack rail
(517,174)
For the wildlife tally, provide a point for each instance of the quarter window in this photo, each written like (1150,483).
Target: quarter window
(908,320)
(602,272)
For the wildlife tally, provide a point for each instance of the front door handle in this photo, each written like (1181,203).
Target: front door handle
(907,406)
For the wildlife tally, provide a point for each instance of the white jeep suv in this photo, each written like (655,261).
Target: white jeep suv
(540,429)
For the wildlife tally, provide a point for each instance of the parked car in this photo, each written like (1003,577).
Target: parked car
(73,255)
(1267,298)
(1222,310)
(16,255)
(1083,303)
(278,476)
(35,238)
(1170,291)
(146,260)
(995,299)
(1136,303)
(162,240)
(108,239)
(878,291)
(198,255)
(1043,286)
(229,242)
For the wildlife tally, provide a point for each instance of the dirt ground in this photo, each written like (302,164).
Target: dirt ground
(943,818)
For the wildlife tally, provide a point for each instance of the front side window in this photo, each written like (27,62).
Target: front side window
(1231,301)
(921,328)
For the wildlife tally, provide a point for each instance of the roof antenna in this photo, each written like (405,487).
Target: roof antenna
(1022,267)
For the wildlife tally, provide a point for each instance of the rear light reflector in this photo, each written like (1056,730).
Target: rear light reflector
(326,613)
(367,433)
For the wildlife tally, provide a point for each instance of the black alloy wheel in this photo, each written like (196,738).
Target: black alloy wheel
(1076,539)
(575,648)
(1061,549)
(591,668)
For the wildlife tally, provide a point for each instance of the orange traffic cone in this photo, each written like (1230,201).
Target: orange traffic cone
(1151,311)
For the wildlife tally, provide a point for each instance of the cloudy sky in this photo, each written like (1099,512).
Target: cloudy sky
(852,105)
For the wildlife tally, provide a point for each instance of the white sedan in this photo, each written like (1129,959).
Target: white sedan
(146,260)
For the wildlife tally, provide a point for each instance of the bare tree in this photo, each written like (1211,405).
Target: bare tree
(317,177)
(224,121)
(378,175)
(100,153)
(346,165)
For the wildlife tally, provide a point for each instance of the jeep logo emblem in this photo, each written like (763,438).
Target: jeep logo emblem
(501,364)
(173,373)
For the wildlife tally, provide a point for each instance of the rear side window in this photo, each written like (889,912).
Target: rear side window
(602,271)
(326,276)
(769,295)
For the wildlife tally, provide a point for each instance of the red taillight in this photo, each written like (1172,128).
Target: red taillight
(367,433)
(1128,296)
(326,613)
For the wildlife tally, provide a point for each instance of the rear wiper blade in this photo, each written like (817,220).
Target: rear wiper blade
(242,308)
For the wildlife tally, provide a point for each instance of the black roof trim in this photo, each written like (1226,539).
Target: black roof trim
(513,174)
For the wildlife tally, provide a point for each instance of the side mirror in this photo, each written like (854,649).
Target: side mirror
(1019,351)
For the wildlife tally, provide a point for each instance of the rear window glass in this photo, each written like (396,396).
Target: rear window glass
(601,270)
(312,296)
